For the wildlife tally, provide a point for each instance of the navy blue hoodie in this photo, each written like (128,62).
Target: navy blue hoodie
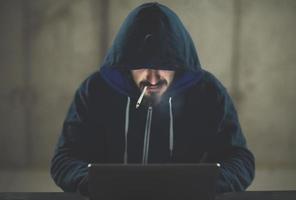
(195,121)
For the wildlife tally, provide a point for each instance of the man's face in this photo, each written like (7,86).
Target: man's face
(157,81)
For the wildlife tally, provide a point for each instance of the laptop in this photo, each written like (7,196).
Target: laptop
(152,181)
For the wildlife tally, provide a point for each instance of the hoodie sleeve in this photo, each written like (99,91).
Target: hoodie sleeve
(230,150)
(68,165)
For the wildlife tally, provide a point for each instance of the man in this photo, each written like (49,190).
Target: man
(185,116)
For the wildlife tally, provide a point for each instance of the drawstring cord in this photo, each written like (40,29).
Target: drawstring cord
(147,136)
(171,142)
(126,128)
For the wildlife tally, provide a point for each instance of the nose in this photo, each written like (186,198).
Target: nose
(153,76)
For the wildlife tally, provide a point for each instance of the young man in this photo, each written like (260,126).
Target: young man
(185,111)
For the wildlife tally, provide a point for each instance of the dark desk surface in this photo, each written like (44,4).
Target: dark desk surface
(259,195)
(250,195)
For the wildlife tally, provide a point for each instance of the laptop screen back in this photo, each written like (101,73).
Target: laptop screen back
(153,181)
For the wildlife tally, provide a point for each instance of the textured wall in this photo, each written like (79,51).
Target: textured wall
(267,73)
(12,85)
(48,47)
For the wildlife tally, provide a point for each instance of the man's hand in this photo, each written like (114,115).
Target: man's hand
(83,186)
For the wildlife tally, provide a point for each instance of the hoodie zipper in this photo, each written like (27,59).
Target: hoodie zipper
(147,136)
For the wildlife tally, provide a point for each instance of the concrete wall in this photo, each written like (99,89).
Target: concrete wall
(267,76)
(48,47)
(12,110)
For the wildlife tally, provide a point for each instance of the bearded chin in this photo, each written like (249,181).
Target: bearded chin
(152,100)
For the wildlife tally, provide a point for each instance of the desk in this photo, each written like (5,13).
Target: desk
(249,195)
(258,195)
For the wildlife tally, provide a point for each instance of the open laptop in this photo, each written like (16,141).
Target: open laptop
(152,181)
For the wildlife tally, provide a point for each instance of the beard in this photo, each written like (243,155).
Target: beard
(154,97)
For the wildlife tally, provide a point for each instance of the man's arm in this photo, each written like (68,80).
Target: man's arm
(230,150)
(68,165)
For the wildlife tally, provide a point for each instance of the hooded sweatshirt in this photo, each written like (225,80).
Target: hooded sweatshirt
(194,122)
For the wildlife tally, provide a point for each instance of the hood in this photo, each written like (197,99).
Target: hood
(152,36)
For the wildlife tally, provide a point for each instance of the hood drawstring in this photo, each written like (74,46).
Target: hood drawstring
(147,136)
(126,128)
(171,142)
